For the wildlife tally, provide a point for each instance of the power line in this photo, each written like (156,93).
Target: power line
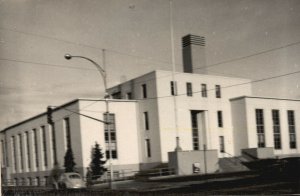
(251,55)
(230,86)
(195,92)
(46,64)
(85,45)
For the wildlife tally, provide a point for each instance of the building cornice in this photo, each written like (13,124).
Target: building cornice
(258,97)
(60,107)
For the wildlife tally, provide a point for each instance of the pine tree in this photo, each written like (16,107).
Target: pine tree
(69,161)
(97,164)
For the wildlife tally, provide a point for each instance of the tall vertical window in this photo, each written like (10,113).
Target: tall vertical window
(67,132)
(43,130)
(292,129)
(204,90)
(220,119)
(148,147)
(260,129)
(146,121)
(14,152)
(21,151)
(189,89)
(144,90)
(35,145)
(195,132)
(28,149)
(52,128)
(3,162)
(222,144)
(218,91)
(110,128)
(276,129)
(173,86)
(129,95)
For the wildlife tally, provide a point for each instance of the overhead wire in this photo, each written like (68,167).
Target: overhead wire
(150,59)
(195,92)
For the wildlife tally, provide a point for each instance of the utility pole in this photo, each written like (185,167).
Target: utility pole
(103,73)
(177,148)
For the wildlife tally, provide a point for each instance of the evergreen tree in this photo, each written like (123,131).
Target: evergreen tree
(69,161)
(55,173)
(97,164)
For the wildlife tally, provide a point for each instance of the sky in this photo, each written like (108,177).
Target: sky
(255,39)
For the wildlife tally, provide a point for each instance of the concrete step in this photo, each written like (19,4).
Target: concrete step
(231,164)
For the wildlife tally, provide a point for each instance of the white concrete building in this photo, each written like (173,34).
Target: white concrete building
(205,112)
(31,147)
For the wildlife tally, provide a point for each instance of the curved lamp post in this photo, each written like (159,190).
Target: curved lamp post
(103,74)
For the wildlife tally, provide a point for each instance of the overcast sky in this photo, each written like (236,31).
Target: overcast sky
(257,38)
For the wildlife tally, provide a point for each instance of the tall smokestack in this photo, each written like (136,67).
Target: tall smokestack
(193,54)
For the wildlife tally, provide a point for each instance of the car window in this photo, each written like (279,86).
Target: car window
(74,176)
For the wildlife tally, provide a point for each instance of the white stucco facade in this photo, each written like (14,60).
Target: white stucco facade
(30,153)
(244,117)
(212,112)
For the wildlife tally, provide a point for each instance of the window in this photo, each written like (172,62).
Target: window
(146,121)
(204,90)
(222,144)
(144,91)
(148,147)
(173,88)
(43,130)
(28,149)
(189,89)
(276,129)
(110,139)
(292,130)
(220,119)
(14,152)
(260,129)
(129,95)
(218,91)
(38,183)
(195,133)
(67,132)
(35,147)
(21,151)
(117,95)
(52,129)
(3,162)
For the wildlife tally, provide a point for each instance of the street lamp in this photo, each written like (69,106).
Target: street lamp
(104,75)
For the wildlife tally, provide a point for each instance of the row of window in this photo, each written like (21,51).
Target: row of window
(260,128)
(30,181)
(147,126)
(110,139)
(25,146)
(29,140)
(189,90)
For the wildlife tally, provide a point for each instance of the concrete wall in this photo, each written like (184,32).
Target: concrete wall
(240,130)
(84,133)
(126,131)
(182,161)
(210,105)
(161,111)
(267,104)
(260,153)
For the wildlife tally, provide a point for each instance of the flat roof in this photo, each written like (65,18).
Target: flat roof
(258,97)
(61,106)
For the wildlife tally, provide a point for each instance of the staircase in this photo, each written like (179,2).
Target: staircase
(231,164)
